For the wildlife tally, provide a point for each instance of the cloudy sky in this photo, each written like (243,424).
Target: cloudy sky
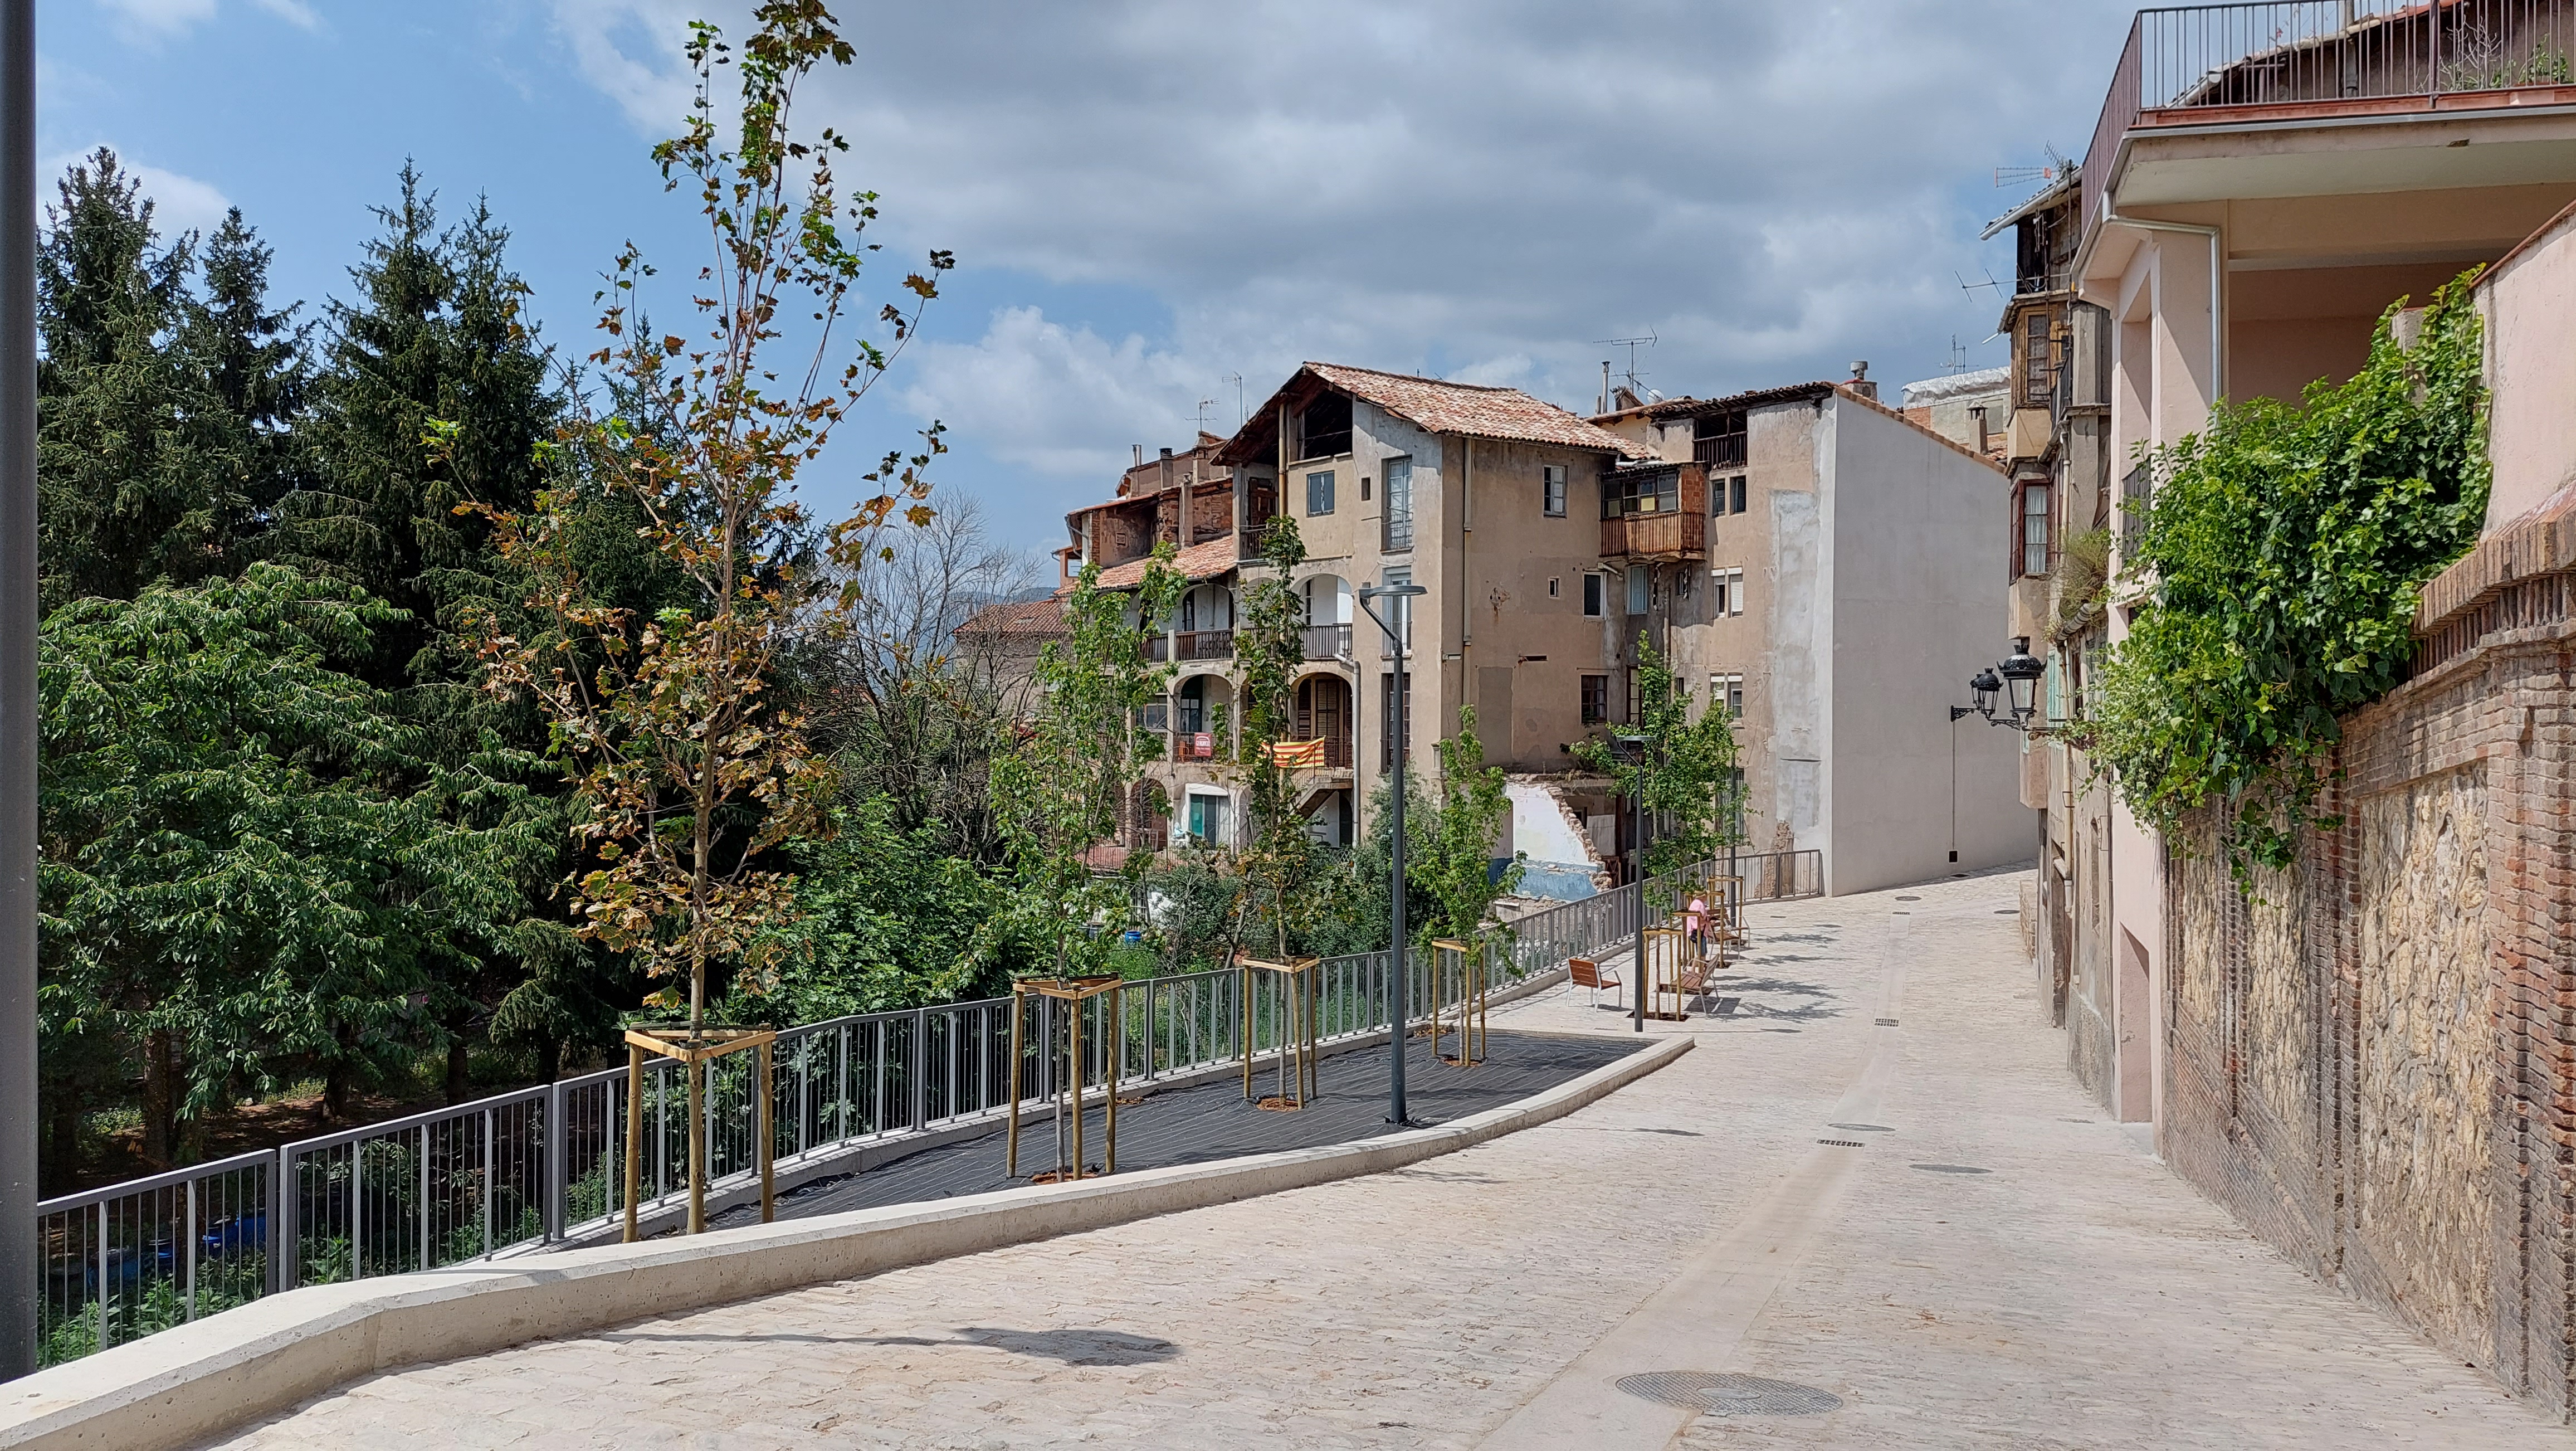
(1149,201)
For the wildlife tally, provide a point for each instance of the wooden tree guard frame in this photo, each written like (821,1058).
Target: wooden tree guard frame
(1668,956)
(1297,985)
(695,1052)
(1459,980)
(1075,991)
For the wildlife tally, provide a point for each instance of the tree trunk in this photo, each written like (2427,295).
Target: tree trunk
(160,1098)
(549,1060)
(335,1093)
(62,1141)
(457,1088)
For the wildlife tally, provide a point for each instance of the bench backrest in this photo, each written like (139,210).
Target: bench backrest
(1584,972)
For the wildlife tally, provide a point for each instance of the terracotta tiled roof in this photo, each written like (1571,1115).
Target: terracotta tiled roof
(1026,617)
(1199,561)
(1468,408)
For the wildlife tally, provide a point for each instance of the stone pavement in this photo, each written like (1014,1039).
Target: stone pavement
(2073,1293)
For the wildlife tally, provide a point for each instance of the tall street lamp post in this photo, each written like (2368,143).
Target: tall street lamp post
(19,1273)
(1398,987)
(1630,751)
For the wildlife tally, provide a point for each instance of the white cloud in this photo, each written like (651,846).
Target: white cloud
(153,21)
(1476,187)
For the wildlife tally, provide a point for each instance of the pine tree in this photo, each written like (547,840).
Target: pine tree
(161,412)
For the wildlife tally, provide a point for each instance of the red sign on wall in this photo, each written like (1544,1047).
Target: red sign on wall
(1203,745)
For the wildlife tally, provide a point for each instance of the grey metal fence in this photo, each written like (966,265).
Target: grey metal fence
(541,1166)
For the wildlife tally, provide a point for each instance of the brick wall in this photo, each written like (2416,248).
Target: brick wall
(2371,1059)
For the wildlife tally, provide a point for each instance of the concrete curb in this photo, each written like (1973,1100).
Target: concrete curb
(196,1381)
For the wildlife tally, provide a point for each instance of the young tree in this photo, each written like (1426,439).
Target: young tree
(1455,861)
(1058,793)
(688,773)
(1684,779)
(1269,649)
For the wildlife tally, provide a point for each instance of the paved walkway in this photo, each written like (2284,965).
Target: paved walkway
(2073,1293)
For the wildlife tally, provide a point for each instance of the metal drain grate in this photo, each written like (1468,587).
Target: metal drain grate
(1948,1169)
(1909,899)
(1729,1395)
(1887,1022)
(1841,1143)
(1862,1128)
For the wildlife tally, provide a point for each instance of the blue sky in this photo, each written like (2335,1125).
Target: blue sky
(1149,198)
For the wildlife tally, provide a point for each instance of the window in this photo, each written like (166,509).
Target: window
(1324,428)
(2035,372)
(1718,438)
(1399,504)
(1726,592)
(1552,590)
(1552,490)
(1726,496)
(1592,595)
(1641,491)
(2034,528)
(1596,699)
(1727,691)
(1637,592)
(1364,489)
(1319,493)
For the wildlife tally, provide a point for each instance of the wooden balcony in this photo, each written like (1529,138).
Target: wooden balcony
(1682,534)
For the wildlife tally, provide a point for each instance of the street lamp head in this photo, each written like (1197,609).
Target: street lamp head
(2022,672)
(1985,687)
(1627,747)
(1405,591)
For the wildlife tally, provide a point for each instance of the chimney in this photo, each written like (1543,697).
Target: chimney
(1140,454)
(1860,382)
(1979,413)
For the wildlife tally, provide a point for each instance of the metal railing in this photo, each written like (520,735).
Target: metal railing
(1327,642)
(2305,52)
(543,1166)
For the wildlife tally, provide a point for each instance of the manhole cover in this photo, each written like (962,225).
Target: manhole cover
(1729,1395)
(1948,1169)
(1862,1128)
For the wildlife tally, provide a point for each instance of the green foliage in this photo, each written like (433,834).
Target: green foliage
(1058,794)
(885,919)
(1454,860)
(165,391)
(2282,555)
(247,867)
(1197,901)
(1269,651)
(1684,779)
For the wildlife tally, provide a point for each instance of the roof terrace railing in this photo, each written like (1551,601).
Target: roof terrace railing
(2187,58)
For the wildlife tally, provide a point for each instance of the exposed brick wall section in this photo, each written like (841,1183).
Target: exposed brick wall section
(2371,1060)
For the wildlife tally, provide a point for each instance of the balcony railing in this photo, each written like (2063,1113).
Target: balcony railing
(1327,642)
(2183,61)
(1682,534)
(1203,645)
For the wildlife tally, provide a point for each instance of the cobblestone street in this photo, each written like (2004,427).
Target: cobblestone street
(1873,1179)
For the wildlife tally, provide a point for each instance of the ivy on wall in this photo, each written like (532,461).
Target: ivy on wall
(2282,554)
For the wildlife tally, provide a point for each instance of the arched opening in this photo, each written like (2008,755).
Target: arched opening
(1201,716)
(1206,625)
(1324,714)
(1328,616)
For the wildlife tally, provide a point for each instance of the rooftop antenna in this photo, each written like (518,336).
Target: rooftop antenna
(2057,166)
(1966,286)
(1239,415)
(1635,379)
(1958,356)
(1204,405)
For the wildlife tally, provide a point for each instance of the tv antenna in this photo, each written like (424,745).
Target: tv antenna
(1201,417)
(1636,380)
(1958,356)
(1966,286)
(2056,167)
(1239,415)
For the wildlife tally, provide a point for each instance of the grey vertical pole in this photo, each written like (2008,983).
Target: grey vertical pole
(19,1270)
(1398,995)
(556,1132)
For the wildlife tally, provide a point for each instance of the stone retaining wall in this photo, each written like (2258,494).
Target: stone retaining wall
(2371,1058)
